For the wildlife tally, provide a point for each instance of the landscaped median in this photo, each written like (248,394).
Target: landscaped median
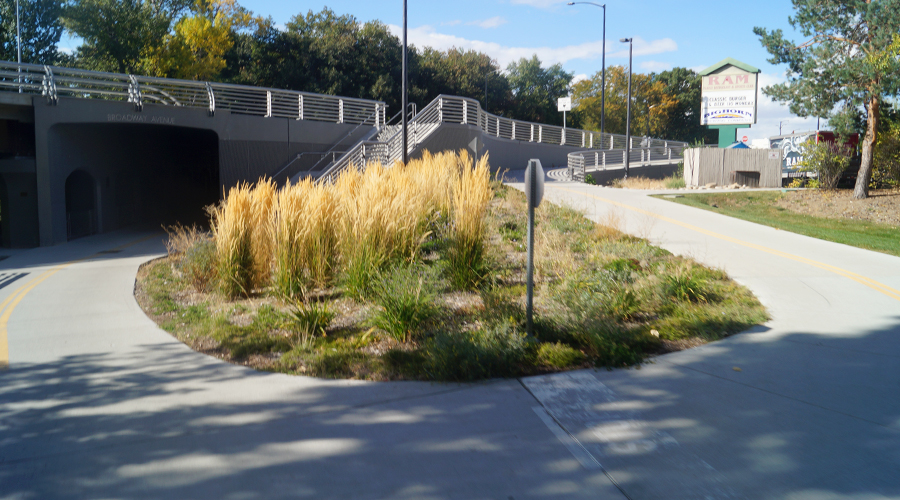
(418,272)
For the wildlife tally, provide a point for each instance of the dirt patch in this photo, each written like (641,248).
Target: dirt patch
(882,206)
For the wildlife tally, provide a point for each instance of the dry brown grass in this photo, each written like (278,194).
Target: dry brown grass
(262,242)
(639,183)
(232,229)
(299,237)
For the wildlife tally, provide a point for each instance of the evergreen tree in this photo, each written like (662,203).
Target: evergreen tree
(850,60)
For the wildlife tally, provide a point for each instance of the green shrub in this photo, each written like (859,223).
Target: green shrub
(675,181)
(406,363)
(467,266)
(558,356)
(827,159)
(198,264)
(405,296)
(309,320)
(501,351)
(685,286)
(589,179)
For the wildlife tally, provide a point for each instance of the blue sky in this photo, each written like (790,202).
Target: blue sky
(691,33)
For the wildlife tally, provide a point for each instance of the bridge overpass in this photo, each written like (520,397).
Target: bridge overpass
(85,152)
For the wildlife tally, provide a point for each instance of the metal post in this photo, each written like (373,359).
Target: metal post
(405,98)
(603,79)
(19,44)
(628,107)
(529,270)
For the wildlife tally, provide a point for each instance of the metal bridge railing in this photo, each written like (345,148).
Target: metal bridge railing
(53,82)
(463,110)
(643,152)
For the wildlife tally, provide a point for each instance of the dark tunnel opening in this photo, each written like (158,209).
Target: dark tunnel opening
(147,175)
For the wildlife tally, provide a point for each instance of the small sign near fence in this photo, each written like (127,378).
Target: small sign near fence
(564,104)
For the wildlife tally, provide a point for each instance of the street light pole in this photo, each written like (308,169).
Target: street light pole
(19,43)
(405,97)
(630,42)
(603,70)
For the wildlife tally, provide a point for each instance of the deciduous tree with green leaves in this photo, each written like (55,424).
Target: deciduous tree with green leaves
(848,60)
(535,90)
(41,30)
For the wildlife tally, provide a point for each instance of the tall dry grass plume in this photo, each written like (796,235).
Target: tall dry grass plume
(305,236)
(471,192)
(384,217)
(262,243)
(232,229)
(302,236)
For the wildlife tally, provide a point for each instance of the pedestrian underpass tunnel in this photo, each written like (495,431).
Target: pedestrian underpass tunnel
(119,175)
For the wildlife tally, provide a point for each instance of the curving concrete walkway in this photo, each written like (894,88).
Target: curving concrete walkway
(99,403)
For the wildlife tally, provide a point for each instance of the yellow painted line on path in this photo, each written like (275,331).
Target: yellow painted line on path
(10,303)
(863,280)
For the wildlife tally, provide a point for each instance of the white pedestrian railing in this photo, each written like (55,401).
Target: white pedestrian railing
(466,111)
(643,152)
(53,83)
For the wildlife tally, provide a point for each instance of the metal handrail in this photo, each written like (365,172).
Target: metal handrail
(467,111)
(52,82)
(652,151)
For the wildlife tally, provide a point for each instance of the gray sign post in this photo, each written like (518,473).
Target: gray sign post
(534,193)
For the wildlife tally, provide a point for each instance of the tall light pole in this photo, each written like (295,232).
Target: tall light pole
(603,69)
(630,42)
(486,73)
(19,43)
(405,98)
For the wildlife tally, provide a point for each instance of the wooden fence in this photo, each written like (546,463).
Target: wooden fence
(751,167)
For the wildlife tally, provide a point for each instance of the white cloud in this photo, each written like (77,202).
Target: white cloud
(489,23)
(645,48)
(770,113)
(578,78)
(656,66)
(427,36)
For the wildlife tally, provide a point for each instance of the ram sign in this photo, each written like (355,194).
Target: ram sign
(728,96)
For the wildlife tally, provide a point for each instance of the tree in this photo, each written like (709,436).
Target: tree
(465,73)
(849,60)
(40,27)
(536,89)
(121,35)
(651,106)
(683,123)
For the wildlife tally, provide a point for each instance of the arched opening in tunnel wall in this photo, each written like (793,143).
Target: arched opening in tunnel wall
(145,175)
(81,205)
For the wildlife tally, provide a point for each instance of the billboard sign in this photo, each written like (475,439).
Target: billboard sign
(728,94)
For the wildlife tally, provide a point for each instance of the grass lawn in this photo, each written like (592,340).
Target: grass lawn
(762,208)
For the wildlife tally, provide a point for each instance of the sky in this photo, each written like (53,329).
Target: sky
(691,33)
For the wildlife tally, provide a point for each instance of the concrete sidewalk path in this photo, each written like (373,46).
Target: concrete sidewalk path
(100,403)
(806,406)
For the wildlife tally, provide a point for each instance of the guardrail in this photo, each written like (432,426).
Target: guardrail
(643,152)
(466,111)
(53,82)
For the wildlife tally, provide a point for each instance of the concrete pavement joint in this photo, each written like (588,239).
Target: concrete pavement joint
(863,280)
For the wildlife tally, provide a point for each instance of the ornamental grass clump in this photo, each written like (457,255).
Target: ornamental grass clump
(305,238)
(262,209)
(232,229)
(383,217)
(471,194)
